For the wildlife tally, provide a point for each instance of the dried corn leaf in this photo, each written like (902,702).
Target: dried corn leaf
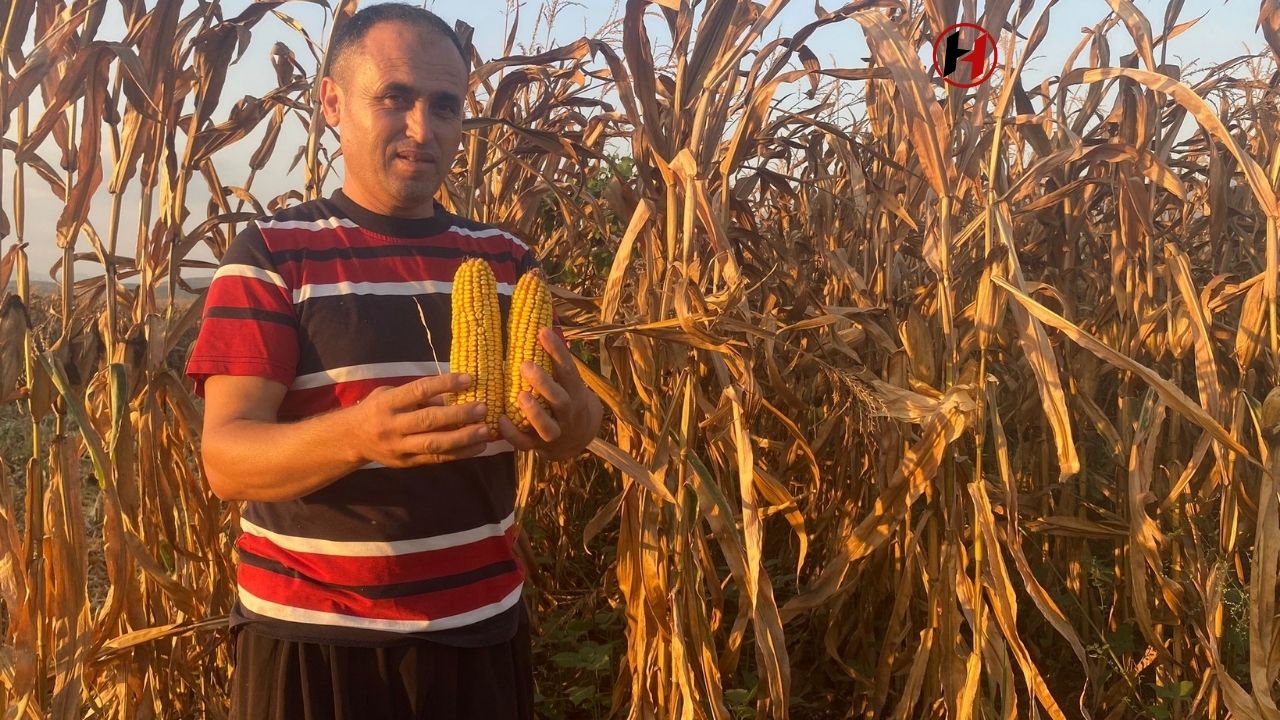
(1174,397)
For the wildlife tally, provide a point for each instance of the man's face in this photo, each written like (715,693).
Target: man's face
(397,105)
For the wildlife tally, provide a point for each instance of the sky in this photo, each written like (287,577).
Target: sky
(1227,30)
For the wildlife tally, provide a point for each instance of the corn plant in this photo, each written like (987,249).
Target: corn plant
(922,402)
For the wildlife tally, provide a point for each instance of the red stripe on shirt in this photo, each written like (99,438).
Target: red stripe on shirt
(238,291)
(392,269)
(245,337)
(303,595)
(285,240)
(385,570)
(381,269)
(312,401)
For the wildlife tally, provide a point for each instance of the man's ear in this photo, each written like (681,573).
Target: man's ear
(330,100)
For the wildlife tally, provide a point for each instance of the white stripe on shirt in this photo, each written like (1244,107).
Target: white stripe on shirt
(249,271)
(348,548)
(312,290)
(329,223)
(371,371)
(317,617)
(497,447)
(488,233)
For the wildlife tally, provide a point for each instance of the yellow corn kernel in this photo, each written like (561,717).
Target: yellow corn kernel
(530,312)
(476,347)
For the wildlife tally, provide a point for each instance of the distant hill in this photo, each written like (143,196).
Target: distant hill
(45,287)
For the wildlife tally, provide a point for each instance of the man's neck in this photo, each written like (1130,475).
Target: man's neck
(357,196)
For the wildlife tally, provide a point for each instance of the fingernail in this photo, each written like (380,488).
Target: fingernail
(465,379)
(479,412)
(482,434)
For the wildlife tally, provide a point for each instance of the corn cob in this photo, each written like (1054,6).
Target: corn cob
(530,312)
(476,347)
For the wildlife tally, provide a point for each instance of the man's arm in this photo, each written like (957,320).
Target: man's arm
(248,455)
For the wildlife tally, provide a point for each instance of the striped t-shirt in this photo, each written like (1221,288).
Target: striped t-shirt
(329,299)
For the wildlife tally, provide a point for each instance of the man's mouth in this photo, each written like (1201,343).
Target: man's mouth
(418,158)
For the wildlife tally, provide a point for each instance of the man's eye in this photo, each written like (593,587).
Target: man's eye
(447,109)
(395,98)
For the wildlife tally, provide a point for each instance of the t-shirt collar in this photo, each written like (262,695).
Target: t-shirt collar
(439,221)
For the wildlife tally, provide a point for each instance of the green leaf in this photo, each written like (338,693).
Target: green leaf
(595,657)
(1180,691)
(567,660)
(581,694)
(1122,641)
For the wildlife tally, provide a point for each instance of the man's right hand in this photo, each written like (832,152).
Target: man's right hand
(411,425)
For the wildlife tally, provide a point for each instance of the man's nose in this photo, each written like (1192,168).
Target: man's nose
(418,126)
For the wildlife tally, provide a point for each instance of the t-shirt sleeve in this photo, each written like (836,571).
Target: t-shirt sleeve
(249,326)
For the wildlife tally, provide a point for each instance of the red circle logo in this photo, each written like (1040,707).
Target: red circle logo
(965,55)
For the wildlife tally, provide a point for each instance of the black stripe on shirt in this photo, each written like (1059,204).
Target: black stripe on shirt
(306,254)
(235,313)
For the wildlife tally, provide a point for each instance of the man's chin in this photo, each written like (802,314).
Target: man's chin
(413,196)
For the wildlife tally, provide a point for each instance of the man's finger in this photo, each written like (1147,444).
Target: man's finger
(428,390)
(443,417)
(510,433)
(546,386)
(445,442)
(461,453)
(545,425)
(566,371)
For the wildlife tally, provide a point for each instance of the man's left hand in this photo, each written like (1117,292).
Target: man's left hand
(573,413)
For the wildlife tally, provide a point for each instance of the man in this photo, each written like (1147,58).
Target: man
(376,576)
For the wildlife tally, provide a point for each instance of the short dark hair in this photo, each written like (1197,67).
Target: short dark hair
(352,33)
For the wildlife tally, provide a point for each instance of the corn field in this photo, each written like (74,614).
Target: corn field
(921,402)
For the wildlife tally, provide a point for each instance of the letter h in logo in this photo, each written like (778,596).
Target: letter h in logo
(976,57)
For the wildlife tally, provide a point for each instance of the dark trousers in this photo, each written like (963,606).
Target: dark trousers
(287,680)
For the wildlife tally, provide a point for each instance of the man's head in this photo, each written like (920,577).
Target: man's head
(395,92)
